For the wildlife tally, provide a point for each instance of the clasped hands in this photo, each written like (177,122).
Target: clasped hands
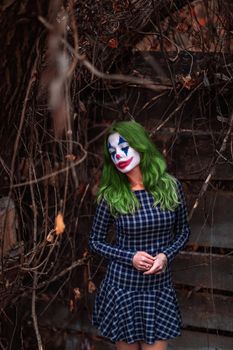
(152,265)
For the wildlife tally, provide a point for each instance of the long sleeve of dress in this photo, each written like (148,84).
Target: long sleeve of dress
(102,221)
(181,228)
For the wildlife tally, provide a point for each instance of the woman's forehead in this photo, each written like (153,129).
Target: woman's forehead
(115,139)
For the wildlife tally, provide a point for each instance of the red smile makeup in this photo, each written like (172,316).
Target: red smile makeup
(123,165)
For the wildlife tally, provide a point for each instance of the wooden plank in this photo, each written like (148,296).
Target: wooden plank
(193,159)
(204,270)
(192,155)
(212,222)
(206,310)
(144,62)
(200,341)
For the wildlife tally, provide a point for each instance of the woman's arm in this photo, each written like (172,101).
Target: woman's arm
(181,229)
(102,221)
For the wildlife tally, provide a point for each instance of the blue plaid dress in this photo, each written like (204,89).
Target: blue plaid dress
(130,306)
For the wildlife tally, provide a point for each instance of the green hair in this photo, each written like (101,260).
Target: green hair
(114,185)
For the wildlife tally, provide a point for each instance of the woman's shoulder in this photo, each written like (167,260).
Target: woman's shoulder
(103,205)
(101,202)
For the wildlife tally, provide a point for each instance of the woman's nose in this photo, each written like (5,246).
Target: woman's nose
(118,156)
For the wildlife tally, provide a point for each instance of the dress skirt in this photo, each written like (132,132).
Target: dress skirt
(130,316)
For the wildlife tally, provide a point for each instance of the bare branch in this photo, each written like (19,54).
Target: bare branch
(145,83)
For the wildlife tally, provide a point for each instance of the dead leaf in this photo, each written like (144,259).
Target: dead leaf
(49,238)
(82,107)
(91,287)
(113,43)
(77,293)
(182,27)
(71,306)
(85,254)
(70,157)
(59,224)
(187,81)
(94,189)
(202,21)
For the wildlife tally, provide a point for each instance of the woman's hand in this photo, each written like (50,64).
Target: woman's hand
(159,265)
(143,261)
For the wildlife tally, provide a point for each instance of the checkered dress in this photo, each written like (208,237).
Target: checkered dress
(131,306)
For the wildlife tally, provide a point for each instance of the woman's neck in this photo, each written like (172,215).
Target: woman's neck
(135,178)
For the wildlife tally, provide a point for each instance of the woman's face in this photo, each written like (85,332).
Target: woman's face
(123,156)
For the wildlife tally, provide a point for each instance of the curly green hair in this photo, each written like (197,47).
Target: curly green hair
(114,185)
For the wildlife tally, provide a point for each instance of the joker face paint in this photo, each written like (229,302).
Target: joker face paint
(123,156)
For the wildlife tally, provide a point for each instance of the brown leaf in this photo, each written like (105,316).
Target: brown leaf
(70,157)
(59,224)
(94,189)
(85,254)
(49,238)
(91,287)
(188,81)
(82,107)
(182,27)
(77,293)
(113,43)
(71,305)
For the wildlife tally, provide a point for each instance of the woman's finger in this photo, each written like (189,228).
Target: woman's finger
(143,261)
(145,266)
(150,271)
(145,254)
(147,261)
(157,267)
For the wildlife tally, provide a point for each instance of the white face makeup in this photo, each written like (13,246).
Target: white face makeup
(123,156)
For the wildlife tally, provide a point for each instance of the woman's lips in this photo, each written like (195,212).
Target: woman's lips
(123,165)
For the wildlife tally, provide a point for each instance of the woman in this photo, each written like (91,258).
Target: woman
(136,305)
